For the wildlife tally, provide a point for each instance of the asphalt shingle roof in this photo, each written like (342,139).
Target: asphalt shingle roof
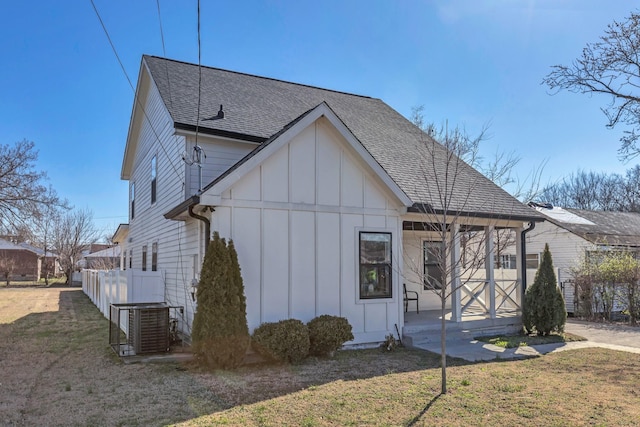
(611,228)
(256,108)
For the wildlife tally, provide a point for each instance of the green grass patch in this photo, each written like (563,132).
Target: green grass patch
(520,340)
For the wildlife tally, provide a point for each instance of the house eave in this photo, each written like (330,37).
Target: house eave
(422,208)
(181,211)
(217,132)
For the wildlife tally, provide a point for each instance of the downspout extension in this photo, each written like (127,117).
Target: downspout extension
(207,226)
(523,254)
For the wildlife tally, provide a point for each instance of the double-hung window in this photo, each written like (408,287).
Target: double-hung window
(153,179)
(432,267)
(132,197)
(375,265)
(144,258)
(154,256)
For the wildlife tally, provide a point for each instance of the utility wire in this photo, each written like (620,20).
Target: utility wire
(199,76)
(137,101)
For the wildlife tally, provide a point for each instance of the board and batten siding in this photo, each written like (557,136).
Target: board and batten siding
(294,220)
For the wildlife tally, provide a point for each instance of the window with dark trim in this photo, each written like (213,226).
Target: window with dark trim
(130,258)
(144,258)
(375,265)
(154,257)
(532,261)
(132,196)
(124,261)
(153,179)
(432,253)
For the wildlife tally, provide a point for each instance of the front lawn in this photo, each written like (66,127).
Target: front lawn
(513,341)
(58,369)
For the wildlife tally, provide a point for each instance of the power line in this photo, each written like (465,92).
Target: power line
(137,101)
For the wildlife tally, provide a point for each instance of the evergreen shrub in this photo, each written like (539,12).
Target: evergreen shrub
(544,310)
(220,334)
(284,341)
(327,334)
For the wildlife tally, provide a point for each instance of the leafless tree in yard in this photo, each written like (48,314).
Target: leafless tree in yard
(72,232)
(610,67)
(22,189)
(451,185)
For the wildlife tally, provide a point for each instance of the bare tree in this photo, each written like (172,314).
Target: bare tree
(610,67)
(596,191)
(22,192)
(457,248)
(72,232)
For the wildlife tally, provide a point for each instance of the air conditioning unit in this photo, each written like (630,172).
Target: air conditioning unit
(149,328)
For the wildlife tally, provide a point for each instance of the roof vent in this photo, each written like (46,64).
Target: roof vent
(220,113)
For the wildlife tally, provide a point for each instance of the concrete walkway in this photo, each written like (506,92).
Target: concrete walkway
(614,337)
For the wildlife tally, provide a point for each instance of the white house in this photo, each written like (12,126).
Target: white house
(328,197)
(573,233)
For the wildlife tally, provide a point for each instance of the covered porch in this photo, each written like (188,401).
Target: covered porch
(482,285)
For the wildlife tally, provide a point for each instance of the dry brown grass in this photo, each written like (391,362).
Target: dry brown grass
(57,369)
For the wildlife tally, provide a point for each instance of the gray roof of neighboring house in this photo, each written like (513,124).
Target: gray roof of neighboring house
(7,245)
(256,108)
(600,227)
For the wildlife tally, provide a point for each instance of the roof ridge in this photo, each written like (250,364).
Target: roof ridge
(261,77)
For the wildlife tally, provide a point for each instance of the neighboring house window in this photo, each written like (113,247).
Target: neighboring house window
(506,261)
(375,265)
(432,254)
(154,257)
(130,258)
(132,196)
(533,261)
(153,179)
(144,258)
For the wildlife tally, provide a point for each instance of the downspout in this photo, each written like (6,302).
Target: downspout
(207,226)
(523,255)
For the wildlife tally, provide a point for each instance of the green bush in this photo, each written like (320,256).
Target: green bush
(328,333)
(284,341)
(220,334)
(544,309)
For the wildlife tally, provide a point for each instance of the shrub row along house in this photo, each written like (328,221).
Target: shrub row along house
(334,201)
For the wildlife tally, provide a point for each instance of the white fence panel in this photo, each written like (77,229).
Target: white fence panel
(122,287)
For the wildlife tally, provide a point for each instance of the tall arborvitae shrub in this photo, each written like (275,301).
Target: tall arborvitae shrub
(220,334)
(544,309)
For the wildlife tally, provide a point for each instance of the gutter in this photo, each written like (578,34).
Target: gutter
(207,226)
(523,255)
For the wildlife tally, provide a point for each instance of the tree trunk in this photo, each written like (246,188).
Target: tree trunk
(443,344)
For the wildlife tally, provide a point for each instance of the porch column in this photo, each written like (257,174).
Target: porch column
(490,293)
(456,314)
(520,269)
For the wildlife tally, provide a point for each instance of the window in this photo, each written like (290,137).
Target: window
(432,254)
(154,257)
(130,258)
(533,261)
(375,265)
(132,197)
(506,261)
(144,258)
(153,179)
(124,263)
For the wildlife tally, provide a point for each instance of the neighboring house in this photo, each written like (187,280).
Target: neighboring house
(324,194)
(572,234)
(49,262)
(18,262)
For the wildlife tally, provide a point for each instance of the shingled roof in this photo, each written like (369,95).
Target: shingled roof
(257,108)
(600,227)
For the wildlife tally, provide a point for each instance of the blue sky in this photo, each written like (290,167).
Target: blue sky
(467,62)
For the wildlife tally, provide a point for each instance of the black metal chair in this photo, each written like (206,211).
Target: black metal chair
(407,298)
